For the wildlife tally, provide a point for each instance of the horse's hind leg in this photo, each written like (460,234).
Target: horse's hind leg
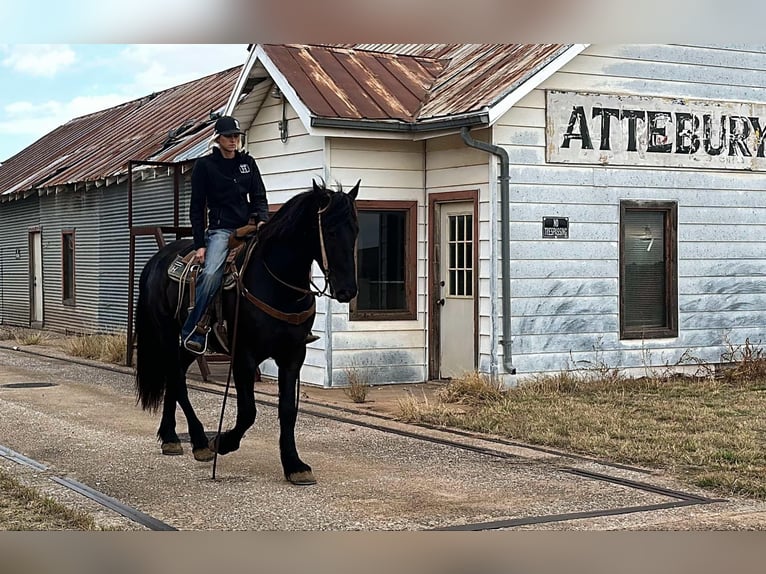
(197,434)
(176,393)
(171,444)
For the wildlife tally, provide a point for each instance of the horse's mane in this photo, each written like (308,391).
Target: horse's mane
(284,221)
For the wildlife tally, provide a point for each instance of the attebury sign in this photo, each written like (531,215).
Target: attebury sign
(638,130)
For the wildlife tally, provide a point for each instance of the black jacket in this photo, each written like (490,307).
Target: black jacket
(232,189)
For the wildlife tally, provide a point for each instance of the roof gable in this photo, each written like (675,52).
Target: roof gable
(409,87)
(356,84)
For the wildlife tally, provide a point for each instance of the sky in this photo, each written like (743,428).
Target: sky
(46,85)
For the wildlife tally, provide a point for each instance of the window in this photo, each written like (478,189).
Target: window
(648,275)
(386,261)
(460,256)
(67,266)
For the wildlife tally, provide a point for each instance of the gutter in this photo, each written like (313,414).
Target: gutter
(505,245)
(479,119)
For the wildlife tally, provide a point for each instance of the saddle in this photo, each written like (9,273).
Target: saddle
(184,271)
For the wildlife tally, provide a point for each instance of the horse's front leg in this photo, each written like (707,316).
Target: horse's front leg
(243,368)
(296,471)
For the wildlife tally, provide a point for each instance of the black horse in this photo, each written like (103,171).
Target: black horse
(275,314)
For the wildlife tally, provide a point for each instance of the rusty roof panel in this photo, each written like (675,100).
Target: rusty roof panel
(416,82)
(340,82)
(477,79)
(158,127)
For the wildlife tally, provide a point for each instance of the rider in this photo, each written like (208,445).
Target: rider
(229,183)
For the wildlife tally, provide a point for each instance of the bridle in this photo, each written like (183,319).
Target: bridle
(316,291)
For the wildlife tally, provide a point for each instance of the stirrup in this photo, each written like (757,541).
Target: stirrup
(193,346)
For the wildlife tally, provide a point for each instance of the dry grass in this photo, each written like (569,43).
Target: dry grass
(105,348)
(23,508)
(22,336)
(709,431)
(358,384)
(471,389)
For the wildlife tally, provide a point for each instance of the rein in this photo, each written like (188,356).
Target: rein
(325,264)
(292,318)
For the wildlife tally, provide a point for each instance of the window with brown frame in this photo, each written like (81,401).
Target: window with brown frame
(67,267)
(386,261)
(648,269)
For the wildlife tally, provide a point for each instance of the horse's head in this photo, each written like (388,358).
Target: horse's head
(338,230)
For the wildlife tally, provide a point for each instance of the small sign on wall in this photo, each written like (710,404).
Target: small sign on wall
(555,228)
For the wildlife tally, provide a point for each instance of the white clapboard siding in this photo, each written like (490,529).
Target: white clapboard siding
(565,293)
(287,169)
(381,351)
(453,166)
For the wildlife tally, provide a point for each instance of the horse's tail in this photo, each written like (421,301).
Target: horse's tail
(151,353)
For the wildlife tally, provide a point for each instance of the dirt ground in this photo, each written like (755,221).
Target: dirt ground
(88,427)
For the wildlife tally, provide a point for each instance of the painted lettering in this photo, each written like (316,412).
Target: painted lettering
(633,116)
(659,141)
(606,115)
(739,130)
(707,135)
(681,132)
(687,126)
(577,118)
(760,136)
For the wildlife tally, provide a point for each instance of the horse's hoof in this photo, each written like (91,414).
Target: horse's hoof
(303,478)
(203,454)
(172,448)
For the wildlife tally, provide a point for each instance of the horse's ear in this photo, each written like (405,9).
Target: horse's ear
(354,190)
(317,189)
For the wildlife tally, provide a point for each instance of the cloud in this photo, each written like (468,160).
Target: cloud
(45,60)
(161,66)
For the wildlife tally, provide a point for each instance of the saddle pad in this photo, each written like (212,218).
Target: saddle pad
(177,269)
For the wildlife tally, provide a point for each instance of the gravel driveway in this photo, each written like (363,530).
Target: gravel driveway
(87,427)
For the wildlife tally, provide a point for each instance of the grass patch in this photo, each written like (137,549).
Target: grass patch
(358,384)
(22,336)
(23,508)
(105,348)
(710,432)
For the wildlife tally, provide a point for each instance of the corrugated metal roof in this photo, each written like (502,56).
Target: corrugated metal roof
(356,84)
(406,82)
(159,127)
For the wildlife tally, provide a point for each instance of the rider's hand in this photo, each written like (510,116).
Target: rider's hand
(200,256)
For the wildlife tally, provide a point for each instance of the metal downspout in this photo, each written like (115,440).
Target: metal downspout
(505,245)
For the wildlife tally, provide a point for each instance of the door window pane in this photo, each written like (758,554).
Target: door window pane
(460,258)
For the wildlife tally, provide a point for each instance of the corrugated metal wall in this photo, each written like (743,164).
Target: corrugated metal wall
(113,252)
(16,217)
(77,211)
(99,220)
(153,205)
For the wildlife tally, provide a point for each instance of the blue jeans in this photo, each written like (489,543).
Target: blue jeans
(209,279)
